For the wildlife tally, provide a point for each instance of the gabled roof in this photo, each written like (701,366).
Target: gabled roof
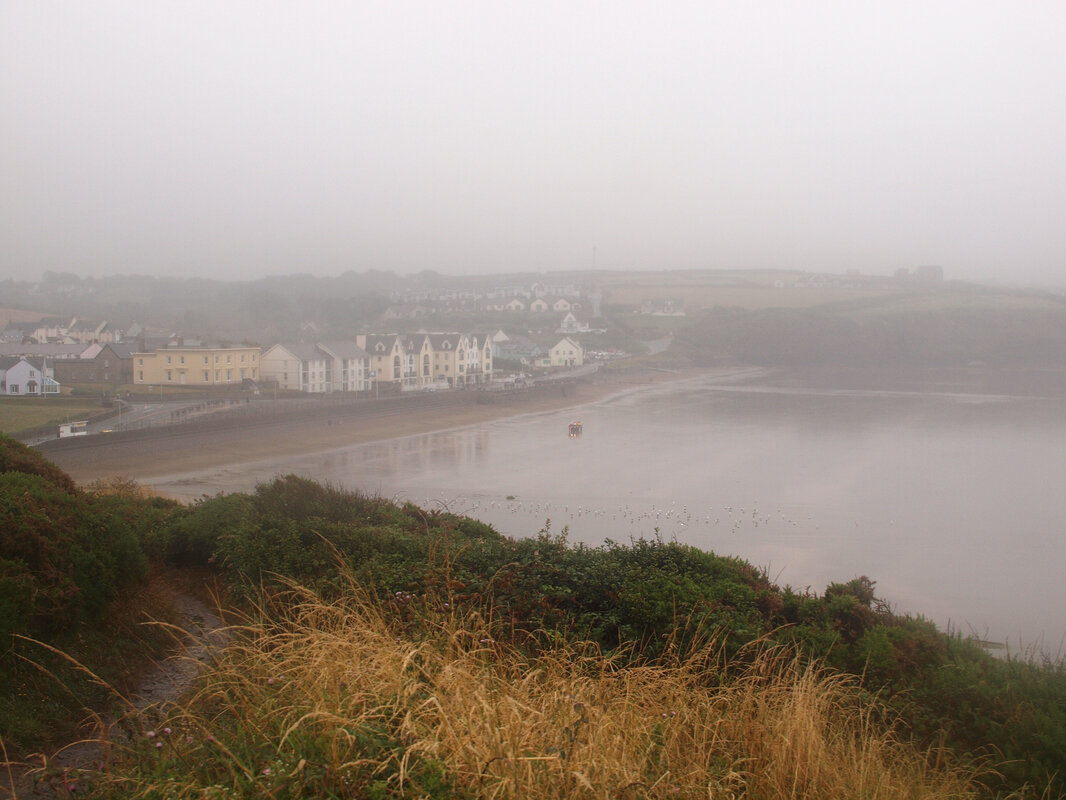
(379,343)
(87,325)
(49,350)
(344,350)
(304,352)
(445,341)
(22,327)
(8,362)
(414,341)
(121,349)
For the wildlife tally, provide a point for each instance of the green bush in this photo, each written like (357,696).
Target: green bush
(17,457)
(645,597)
(71,565)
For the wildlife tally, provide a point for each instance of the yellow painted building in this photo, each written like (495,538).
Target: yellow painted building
(196,366)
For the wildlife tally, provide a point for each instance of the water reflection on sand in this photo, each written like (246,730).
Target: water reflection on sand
(951,502)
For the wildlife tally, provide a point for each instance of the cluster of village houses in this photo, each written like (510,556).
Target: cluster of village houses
(48,357)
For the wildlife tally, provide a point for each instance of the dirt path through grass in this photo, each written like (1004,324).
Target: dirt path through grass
(201,633)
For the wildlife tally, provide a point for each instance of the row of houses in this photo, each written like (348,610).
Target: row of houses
(413,309)
(61,330)
(396,361)
(378,362)
(495,294)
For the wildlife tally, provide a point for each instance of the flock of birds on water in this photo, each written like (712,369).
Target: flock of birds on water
(640,520)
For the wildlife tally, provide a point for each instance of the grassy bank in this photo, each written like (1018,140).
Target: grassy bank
(352,698)
(387,651)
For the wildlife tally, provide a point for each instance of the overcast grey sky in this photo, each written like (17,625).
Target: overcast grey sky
(240,139)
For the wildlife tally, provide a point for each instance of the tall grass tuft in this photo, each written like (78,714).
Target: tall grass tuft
(413,698)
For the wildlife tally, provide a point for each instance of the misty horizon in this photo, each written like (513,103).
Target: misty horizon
(237,141)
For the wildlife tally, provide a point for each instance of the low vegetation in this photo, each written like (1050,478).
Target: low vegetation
(386,651)
(350,697)
(74,577)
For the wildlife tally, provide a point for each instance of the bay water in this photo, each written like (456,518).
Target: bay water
(953,502)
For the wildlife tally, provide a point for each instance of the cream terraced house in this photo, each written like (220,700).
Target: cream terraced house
(449,358)
(335,366)
(418,349)
(351,365)
(411,361)
(386,354)
(196,366)
(298,367)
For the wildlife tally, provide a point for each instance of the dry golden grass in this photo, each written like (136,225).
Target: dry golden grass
(354,699)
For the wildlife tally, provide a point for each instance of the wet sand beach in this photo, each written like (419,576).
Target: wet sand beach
(195,450)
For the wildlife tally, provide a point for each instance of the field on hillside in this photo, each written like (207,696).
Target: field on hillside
(855,295)
(698,297)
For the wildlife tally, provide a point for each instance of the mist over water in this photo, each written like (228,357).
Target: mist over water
(952,502)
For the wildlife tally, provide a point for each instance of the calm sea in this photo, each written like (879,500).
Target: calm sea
(954,503)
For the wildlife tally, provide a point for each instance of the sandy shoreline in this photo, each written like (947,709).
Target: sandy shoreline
(196,452)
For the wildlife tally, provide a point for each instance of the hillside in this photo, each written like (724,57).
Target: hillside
(950,329)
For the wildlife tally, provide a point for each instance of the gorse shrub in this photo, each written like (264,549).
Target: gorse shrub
(17,457)
(72,568)
(74,554)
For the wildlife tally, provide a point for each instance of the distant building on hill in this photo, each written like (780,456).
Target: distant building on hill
(926,275)
(663,306)
(929,274)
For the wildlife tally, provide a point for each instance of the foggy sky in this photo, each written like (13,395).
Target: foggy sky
(241,139)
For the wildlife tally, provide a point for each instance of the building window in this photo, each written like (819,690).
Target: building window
(140,374)
(229,374)
(169,378)
(216,376)
(206,378)
(168,359)
(181,359)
